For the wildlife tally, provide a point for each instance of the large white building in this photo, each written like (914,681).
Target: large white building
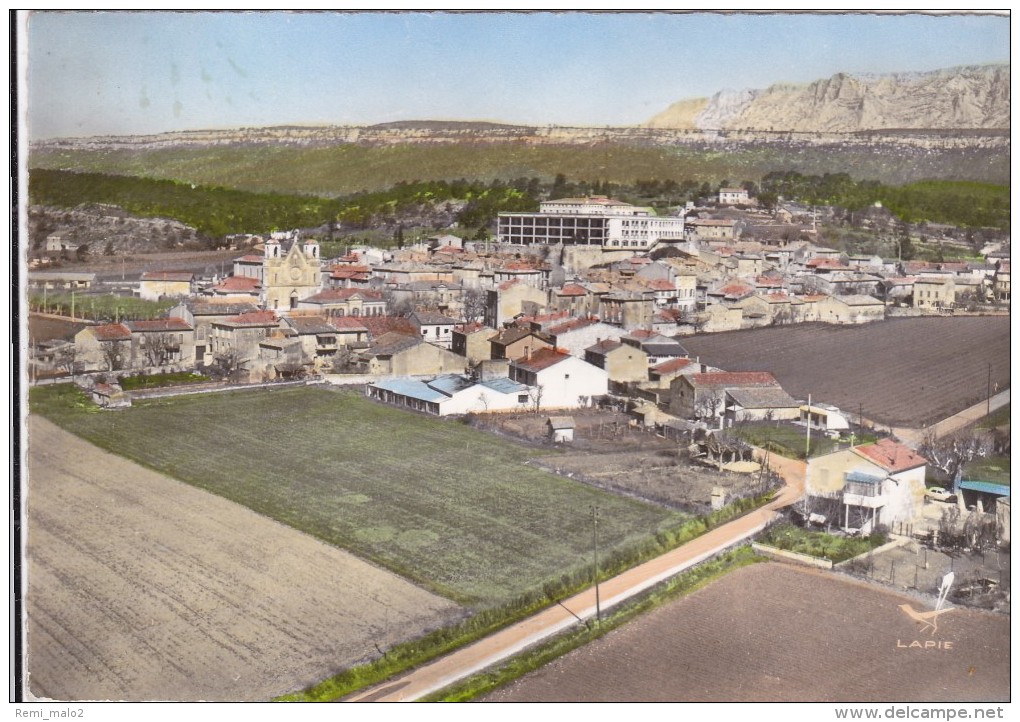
(590,221)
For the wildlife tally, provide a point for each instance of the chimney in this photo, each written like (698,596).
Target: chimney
(527,353)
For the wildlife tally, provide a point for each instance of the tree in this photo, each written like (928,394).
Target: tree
(114,354)
(950,454)
(707,405)
(536,393)
(474,304)
(398,236)
(159,347)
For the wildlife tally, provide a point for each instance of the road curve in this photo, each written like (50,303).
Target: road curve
(507,642)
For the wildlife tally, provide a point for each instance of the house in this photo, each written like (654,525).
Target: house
(703,395)
(237,288)
(559,380)
(444,296)
(202,314)
(628,309)
(434,328)
(512,298)
(657,347)
(395,354)
(561,429)
(711,229)
(341,302)
(661,375)
(517,341)
(162,342)
(471,340)
(234,340)
(880,483)
(250,266)
(733,196)
(623,363)
(577,334)
(317,337)
(572,298)
(155,285)
(758,404)
(850,309)
(103,348)
(824,417)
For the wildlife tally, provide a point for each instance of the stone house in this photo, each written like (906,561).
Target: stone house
(394,354)
(623,363)
(517,341)
(471,340)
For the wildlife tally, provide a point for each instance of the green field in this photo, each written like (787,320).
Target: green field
(455,509)
(992,468)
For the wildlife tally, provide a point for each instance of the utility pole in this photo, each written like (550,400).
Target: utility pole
(807,441)
(988,393)
(594,511)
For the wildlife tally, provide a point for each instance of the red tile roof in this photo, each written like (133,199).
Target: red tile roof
(112,332)
(254,318)
(250,259)
(572,289)
(238,283)
(379,325)
(344,294)
(507,285)
(661,284)
(159,324)
(541,359)
(668,367)
(347,323)
(891,455)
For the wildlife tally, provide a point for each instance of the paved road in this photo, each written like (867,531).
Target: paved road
(914,437)
(503,644)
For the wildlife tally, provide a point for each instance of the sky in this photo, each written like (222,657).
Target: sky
(103,73)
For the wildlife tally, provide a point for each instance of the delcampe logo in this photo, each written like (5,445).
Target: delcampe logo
(930,619)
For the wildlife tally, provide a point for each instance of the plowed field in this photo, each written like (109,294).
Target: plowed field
(141,587)
(901,372)
(775,633)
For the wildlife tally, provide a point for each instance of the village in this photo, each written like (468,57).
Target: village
(583,305)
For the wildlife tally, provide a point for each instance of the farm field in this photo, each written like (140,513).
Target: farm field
(776,633)
(902,372)
(141,587)
(452,508)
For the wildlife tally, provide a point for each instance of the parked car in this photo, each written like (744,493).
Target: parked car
(937,493)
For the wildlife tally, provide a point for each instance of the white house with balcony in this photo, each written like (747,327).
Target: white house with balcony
(880,483)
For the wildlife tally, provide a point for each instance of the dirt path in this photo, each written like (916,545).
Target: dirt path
(508,642)
(141,587)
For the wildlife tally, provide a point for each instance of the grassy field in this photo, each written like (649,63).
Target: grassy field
(452,508)
(993,468)
(100,307)
(819,544)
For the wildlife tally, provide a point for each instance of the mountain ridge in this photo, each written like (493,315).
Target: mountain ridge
(961,97)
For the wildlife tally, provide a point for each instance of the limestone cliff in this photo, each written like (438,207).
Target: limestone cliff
(975,97)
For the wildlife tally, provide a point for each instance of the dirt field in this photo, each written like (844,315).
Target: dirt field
(902,372)
(144,588)
(657,476)
(771,633)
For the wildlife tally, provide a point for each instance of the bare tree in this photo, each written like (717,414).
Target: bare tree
(706,405)
(474,304)
(536,393)
(159,347)
(115,355)
(950,454)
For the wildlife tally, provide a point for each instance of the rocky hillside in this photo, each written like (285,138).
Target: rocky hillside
(973,97)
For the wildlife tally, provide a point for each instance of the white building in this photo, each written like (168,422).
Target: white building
(452,394)
(559,380)
(733,196)
(590,221)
